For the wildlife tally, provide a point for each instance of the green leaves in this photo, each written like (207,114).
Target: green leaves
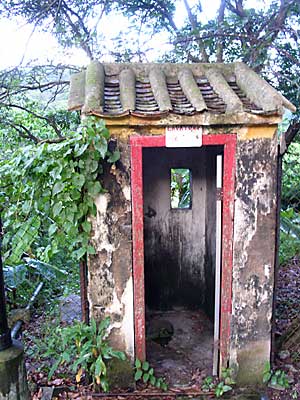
(222,388)
(276,379)
(57,188)
(86,226)
(84,348)
(138,375)
(100,144)
(94,188)
(219,387)
(146,374)
(23,239)
(78,180)
(49,194)
(114,157)
(145,366)
(57,207)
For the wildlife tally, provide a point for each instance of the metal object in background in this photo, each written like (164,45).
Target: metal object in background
(19,323)
(83,291)
(5,337)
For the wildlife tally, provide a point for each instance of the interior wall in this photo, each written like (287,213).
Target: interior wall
(179,243)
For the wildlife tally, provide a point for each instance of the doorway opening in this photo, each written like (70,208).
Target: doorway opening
(180,228)
(142,212)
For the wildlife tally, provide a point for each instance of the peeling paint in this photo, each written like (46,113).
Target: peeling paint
(124,307)
(267,269)
(110,275)
(254,241)
(110,284)
(254,193)
(127,326)
(127,192)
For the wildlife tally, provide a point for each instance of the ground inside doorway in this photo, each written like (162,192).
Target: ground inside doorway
(188,356)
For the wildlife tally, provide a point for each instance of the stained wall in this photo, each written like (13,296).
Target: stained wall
(110,279)
(179,243)
(253,256)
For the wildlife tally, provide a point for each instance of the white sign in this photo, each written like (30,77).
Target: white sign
(184,137)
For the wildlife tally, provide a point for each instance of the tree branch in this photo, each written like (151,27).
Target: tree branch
(23,131)
(167,15)
(238,9)
(209,36)
(287,54)
(48,120)
(291,132)
(83,43)
(220,41)
(193,22)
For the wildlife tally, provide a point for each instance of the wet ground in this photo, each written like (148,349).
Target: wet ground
(189,353)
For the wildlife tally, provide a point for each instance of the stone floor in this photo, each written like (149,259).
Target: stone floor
(188,356)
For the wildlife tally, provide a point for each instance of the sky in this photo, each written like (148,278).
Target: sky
(23,44)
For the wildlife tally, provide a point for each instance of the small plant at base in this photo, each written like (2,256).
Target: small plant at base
(146,374)
(227,376)
(85,349)
(208,384)
(275,378)
(221,387)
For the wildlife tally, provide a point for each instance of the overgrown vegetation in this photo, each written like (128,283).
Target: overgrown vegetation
(47,163)
(22,279)
(290,214)
(51,165)
(84,349)
(80,350)
(48,192)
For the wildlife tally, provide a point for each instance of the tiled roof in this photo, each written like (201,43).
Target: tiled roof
(115,90)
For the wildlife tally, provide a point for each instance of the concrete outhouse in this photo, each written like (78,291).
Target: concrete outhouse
(185,235)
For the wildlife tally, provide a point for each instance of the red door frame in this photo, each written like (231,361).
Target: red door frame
(137,144)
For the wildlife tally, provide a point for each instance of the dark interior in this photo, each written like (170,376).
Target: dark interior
(180,243)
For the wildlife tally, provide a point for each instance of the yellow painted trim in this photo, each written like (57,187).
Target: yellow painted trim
(125,132)
(257,132)
(243,133)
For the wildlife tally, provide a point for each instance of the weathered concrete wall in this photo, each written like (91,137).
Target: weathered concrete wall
(179,243)
(110,285)
(253,257)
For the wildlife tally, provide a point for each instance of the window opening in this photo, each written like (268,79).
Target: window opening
(181,195)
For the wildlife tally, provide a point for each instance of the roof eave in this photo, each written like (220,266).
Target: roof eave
(203,119)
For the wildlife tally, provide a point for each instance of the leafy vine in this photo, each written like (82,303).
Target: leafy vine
(48,192)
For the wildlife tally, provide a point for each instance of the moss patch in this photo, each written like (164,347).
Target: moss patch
(120,374)
(251,361)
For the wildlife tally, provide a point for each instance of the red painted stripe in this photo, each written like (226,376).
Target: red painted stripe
(138,250)
(227,246)
(148,141)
